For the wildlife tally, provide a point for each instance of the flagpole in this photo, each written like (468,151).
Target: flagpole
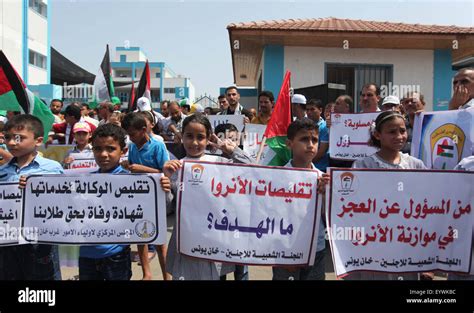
(260,150)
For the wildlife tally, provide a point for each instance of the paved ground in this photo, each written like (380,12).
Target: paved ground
(256,272)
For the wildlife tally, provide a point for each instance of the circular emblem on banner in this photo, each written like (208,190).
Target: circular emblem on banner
(145,229)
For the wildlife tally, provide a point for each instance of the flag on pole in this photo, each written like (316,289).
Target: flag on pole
(143,89)
(15,96)
(103,83)
(275,133)
(131,99)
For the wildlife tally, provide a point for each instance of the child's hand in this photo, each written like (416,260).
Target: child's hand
(125,164)
(165,183)
(227,146)
(171,167)
(324,180)
(68,160)
(22,182)
(246,120)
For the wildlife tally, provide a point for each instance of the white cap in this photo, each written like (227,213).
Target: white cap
(391,100)
(297,98)
(143,104)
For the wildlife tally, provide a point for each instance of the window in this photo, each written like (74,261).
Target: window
(158,75)
(123,96)
(39,7)
(123,58)
(37,59)
(170,90)
(354,76)
(155,95)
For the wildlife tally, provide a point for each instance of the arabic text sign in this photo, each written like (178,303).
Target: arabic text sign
(349,136)
(252,141)
(442,139)
(252,215)
(394,221)
(236,120)
(10,213)
(95,209)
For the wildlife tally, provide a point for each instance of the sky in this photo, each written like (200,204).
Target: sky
(191,36)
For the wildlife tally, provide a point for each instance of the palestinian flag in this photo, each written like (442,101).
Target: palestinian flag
(445,149)
(103,83)
(15,96)
(131,99)
(275,133)
(143,89)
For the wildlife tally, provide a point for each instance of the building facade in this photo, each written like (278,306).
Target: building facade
(398,57)
(129,64)
(25,38)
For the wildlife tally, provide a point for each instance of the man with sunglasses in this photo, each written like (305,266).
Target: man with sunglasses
(369,98)
(463,89)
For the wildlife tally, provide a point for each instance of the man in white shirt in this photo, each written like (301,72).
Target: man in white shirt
(369,98)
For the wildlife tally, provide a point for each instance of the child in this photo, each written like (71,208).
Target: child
(82,135)
(303,142)
(23,136)
(146,155)
(5,156)
(150,125)
(197,133)
(466,164)
(109,262)
(390,136)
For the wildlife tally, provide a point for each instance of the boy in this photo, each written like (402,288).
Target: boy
(303,142)
(23,136)
(5,156)
(109,262)
(314,110)
(146,155)
(82,135)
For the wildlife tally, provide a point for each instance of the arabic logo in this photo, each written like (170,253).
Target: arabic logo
(447,144)
(145,229)
(346,180)
(197,170)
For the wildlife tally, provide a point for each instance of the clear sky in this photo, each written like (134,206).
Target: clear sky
(191,35)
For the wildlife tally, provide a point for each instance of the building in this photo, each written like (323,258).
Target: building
(207,101)
(25,38)
(399,57)
(128,65)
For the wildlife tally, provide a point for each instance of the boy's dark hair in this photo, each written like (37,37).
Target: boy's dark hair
(220,97)
(381,119)
(85,105)
(222,128)
(268,94)
(298,125)
(2,125)
(198,118)
(74,111)
(318,103)
(26,121)
(134,120)
(111,130)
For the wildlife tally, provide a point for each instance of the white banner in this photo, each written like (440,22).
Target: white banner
(95,209)
(349,134)
(10,213)
(252,141)
(400,220)
(442,139)
(251,215)
(236,120)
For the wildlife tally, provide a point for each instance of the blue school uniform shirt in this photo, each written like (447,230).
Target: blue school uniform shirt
(152,154)
(10,172)
(104,251)
(323,163)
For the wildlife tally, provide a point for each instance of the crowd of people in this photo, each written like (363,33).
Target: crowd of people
(109,134)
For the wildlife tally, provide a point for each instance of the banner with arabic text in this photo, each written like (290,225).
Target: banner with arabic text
(95,209)
(10,213)
(398,221)
(251,215)
(252,141)
(442,139)
(349,135)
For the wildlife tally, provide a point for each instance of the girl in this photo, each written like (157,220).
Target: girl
(82,135)
(389,135)
(197,135)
